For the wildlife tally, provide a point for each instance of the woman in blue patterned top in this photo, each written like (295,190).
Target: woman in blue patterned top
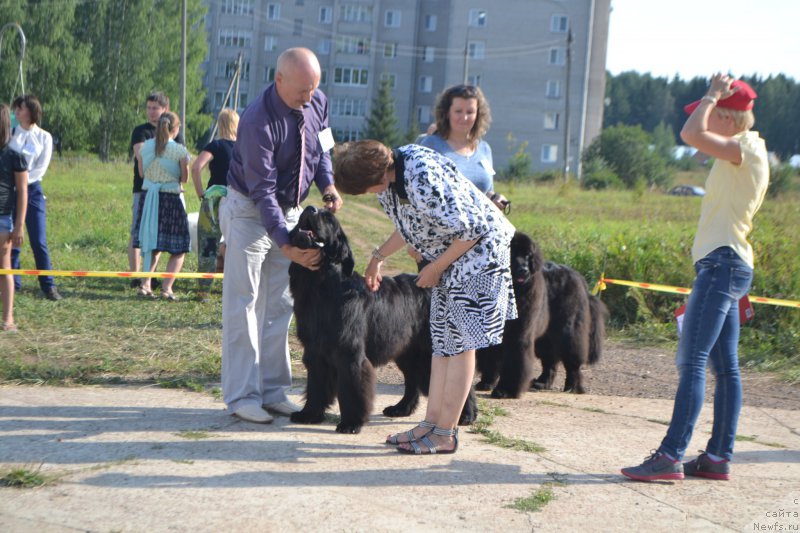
(465,239)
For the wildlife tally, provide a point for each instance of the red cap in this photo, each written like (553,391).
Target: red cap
(741,100)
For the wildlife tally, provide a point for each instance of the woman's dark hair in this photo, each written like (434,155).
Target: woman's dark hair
(359,165)
(32,104)
(166,125)
(5,125)
(445,100)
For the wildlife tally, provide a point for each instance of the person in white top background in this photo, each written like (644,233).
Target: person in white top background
(36,146)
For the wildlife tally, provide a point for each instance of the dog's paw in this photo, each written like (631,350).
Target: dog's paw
(576,390)
(483,386)
(306,417)
(503,393)
(467,419)
(348,427)
(540,385)
(397,411)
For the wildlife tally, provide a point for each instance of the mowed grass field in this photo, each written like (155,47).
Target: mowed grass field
(102,332)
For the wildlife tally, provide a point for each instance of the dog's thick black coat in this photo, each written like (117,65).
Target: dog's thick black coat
(514,359)
(347,330)
(576,330)
(569,328)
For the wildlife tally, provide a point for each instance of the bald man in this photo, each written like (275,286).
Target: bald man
(269,175)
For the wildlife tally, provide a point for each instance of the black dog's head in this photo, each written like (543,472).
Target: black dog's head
(526,258)
(319,228)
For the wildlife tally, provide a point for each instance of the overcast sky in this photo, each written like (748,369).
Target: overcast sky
(698,37)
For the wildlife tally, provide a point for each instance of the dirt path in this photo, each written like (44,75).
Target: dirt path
(150,459)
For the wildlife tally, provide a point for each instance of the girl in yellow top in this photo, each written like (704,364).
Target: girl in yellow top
(719,126)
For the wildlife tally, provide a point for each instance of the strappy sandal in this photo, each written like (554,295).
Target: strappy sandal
(169,296)
(430,447)
(393,439)
(144,292)
(9,327)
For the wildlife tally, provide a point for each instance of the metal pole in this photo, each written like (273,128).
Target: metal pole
(22,41)
(183,70)
(466,55)
(566,107)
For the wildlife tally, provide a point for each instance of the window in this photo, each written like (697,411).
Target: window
(347,134)
(430,22)
(230,69)
(237,38)
(430,51)
(549,153)
(355,13)
(553,89)
(269,74)
(346,44)
(273,11)
(551,120)
(390,50)
(391,18)
(323,78)
(299,2)
(425,84)
(324,47)
(423,114)
(348,107)
(270,43)
(237,7)
(326,15)
(391,77)
(556,56)
(477,49)
(298,27)
(477,18)
(242,100)
(218,97)
(474,79)
(351,76)
(559,24)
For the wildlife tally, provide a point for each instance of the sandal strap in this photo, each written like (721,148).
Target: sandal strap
(442,432)
(426,424)
(427,442)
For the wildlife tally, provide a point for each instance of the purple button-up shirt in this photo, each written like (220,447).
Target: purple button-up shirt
(263,159)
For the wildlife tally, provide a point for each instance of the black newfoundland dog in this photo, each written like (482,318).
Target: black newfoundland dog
(347,330)
(559,320)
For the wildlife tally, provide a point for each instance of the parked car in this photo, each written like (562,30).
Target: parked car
(687,190)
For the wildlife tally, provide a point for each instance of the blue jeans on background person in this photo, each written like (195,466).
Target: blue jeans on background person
(36,224)
(710,332)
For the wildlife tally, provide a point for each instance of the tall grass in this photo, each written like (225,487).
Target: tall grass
(102,332)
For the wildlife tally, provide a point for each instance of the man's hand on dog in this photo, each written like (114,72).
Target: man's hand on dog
(308,258)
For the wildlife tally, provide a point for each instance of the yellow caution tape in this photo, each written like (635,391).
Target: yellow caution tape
(601,285)
(101,274)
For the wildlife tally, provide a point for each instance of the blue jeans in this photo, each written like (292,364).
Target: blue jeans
(710,332)
(36,224)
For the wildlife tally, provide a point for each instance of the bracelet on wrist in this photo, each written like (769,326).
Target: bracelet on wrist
(709,98)
(376,253)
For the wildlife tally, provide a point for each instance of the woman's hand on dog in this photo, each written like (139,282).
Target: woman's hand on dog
(308,258)
(372,275)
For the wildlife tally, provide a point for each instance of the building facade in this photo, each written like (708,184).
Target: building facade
(541,63)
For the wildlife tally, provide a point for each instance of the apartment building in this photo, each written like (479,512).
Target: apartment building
(541,63)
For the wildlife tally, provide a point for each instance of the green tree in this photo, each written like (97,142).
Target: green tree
(664,142)
(57,65)
(627,152)
(382,121)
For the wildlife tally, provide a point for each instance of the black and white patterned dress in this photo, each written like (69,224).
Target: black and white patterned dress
(432,204)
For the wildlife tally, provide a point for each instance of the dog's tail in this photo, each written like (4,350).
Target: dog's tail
(599,315)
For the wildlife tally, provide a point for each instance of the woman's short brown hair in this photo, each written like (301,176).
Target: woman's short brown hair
(445,100)
(32,104)
(359,165)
